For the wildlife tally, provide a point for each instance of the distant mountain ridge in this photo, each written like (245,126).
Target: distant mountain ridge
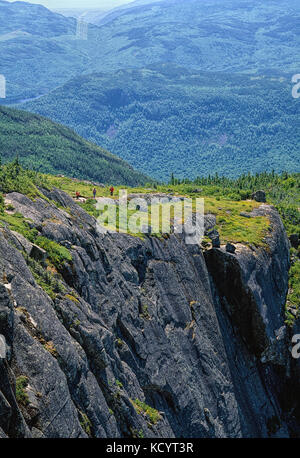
(25,16)
(40,50)
(235,36)
(97,15)
(231,36)
(165,119)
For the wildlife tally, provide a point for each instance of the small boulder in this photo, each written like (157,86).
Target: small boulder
(245,215)
(259,196)
(230,248)
(294,239)
(38,253)
(215,238)
(216,242)
(66,244)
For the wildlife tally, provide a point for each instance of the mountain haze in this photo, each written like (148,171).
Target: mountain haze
(39,49)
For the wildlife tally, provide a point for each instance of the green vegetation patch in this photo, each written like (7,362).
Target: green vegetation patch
(85,423)
(142,408)
(21,395)
(72,298)
(232,226)
(13,178)
(58,254)
(18,223)
(119,384)
(45,278)
(293,298)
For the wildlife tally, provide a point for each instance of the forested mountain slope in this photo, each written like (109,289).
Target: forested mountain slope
(165,119)
(48,147)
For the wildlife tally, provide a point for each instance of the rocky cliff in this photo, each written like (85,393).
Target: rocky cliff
(142,338)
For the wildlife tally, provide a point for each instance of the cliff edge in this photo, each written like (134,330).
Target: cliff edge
(109,335)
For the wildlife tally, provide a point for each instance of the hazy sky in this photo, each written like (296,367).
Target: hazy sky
(84,4)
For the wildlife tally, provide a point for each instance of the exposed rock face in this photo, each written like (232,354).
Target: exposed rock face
(245,215)
(215,238)
(259,196)
(230,248)
(38,254)
(202,340)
